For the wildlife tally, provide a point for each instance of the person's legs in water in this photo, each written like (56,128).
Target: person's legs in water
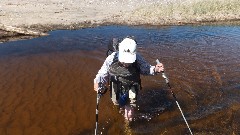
(130,107)
(114,93)
(115,96)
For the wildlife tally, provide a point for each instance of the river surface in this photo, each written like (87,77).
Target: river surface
(46,83)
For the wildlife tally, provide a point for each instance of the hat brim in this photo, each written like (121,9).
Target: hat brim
(127,57)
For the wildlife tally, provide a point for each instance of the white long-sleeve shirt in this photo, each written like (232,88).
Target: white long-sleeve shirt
(102,75)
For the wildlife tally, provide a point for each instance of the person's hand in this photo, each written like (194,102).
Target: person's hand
(159,68)
(100,88)
(96,87)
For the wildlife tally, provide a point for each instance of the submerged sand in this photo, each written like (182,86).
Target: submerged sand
(46,86)
(45,93)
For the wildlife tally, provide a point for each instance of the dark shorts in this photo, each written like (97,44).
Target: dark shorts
(132,94)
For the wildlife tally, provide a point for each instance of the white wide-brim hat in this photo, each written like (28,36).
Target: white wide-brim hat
(127,51)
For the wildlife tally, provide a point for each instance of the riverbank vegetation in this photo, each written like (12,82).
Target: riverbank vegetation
(186,11)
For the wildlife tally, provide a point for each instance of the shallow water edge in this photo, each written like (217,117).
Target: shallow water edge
(6,36)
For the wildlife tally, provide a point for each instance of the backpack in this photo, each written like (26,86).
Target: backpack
(112,46)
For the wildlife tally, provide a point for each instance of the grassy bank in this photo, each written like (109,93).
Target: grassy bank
(188,11)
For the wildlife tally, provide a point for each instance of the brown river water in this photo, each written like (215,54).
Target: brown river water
(46,83)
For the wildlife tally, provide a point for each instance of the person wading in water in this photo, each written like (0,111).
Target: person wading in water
(122,70)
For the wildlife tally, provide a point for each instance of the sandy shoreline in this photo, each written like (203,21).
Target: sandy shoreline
(35,18)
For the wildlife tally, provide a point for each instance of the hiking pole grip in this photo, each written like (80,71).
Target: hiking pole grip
(102,89)
(99,94)
(163,74)
(167,80)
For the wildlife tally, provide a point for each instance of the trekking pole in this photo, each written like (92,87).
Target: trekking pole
(101,90)
(98,98)
(167,82)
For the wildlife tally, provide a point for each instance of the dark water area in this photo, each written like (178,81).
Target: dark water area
(47,82)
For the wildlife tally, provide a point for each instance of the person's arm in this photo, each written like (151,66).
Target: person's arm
(102,75)
(146,68)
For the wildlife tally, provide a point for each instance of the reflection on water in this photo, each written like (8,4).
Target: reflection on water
(46,83)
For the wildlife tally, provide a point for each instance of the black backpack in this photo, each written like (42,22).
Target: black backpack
(114,43)
(112,46)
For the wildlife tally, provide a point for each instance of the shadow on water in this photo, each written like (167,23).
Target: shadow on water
(46,83)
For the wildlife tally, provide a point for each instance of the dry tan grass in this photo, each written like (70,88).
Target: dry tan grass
(188,11)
